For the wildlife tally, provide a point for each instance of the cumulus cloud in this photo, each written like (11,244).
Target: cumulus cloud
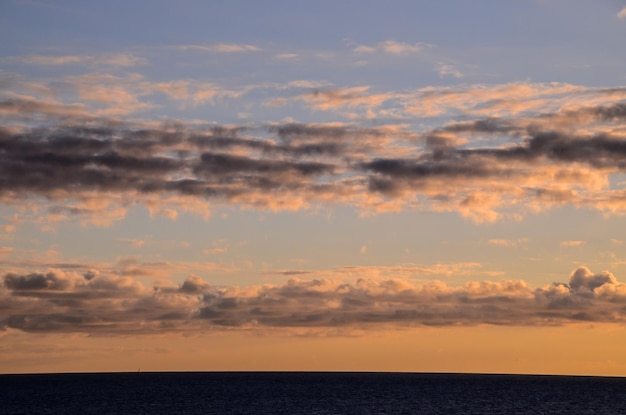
(583,279)
(62,301)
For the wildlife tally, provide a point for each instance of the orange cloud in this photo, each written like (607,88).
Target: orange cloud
(566,244)
(392,47)
(484,169)
(507,242)
(119,59)
(117,304)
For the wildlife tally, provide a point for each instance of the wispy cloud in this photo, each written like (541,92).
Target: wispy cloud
(329,99)
(497,100)
(507,242)
(135,243)
(20,262)
(94,95)
(286,56)
(448,70)
(217,248)
(380,273)
(502,100)
(220,48)
(567,244)
(391,47)
(5,250)
(113,59)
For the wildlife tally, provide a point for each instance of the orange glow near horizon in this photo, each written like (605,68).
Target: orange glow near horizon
(576,350)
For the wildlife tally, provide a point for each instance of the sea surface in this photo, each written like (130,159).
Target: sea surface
(309,393)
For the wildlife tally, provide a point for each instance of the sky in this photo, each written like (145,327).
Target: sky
(347,185)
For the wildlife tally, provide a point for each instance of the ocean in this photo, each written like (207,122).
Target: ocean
(309,393)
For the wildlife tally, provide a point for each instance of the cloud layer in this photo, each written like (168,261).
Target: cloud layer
(483,169)
(66,301)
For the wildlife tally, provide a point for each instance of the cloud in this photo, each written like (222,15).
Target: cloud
(48,60)
(38,281)
(489,101)
(26,107)
(408,270)
(194,285)
(5,250)
(135,243)
(71,160)
(622,13)
(392,47)
(286,56)
(94,96)
(305,164)
(446,70)
(23,263)
(221,48)
(62,301)
(501,99)
(217,248)
(118,59)
(405,271)
(566,244)
(507,242)
(330,99)
(107,172)
(583,279)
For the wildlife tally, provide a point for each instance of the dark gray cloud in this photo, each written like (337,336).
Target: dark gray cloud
(58,301)
(303,131)
(80,159)
(420,168)
(292,166)
(217,164)
(583,279)
(531,147)
(35,281)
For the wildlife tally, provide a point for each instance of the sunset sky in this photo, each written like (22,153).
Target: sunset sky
(360,185)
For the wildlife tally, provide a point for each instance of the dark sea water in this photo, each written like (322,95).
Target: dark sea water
(309,393)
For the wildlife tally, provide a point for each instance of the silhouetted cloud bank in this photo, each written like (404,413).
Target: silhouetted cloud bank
(66,301)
